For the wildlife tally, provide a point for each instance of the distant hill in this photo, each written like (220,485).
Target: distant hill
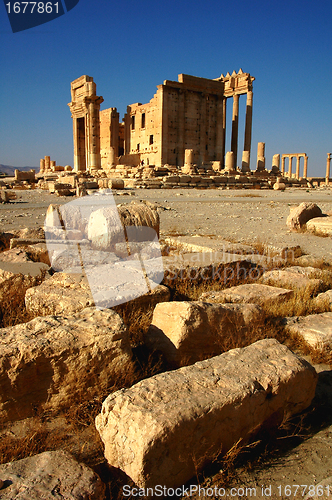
(10,170)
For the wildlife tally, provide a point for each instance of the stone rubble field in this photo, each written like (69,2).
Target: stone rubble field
(220,375)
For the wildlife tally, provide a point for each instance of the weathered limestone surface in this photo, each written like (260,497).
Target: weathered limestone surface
(187,244)
(14,255)
(321,225)
(105,227)
(50,475)
(295,277)
(315,330)
(52,361)
(116,183)
(205,266)
(163,428)
(17,277)
(324,300)
(61,294)
(67,293)
(300,215)
(254,293)
(187,332)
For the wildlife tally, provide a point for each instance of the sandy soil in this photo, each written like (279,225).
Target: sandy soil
(245,216)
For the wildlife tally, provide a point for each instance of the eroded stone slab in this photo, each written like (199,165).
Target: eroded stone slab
(161,430)
(61,294)
(187,332)
(49,362)
(295,277)
(324,300)
(321,226)
(17,277)
(50,475)
(315,330)
(254,293)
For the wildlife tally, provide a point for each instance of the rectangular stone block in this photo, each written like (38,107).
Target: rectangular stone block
(51,361)
(166,428)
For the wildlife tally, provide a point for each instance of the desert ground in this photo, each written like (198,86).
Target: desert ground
(301,453)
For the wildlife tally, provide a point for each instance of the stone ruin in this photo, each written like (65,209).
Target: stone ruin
(178,139)
(48,166)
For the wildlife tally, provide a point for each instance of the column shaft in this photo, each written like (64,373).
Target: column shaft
(235,127)
(305,168)
(290,167)
(282,165)
(297,175)
(223,151)
(248,127)
(328,162)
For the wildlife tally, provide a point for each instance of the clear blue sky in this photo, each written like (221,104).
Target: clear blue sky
(129,47)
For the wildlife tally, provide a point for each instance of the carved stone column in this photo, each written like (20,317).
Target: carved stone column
(305,169)
(282,165)
(290,166)
(224,108)
(247,134)
(297,175)
(229,163)
(245,161)
(328,163)
(235,127)
(276,164)
(47,163)
(260,157)
(42,166)
(220,146)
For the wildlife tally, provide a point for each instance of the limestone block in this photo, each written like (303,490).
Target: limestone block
(315,330)
(229,161)
(65,192)
(15,255)
(68,168)
(324,300)
(90,184)
(198,267)
(320,225)
(171,179)
(300,215)
(25,176)
(161,430)
(187,332)
(48,474)
(61,294)
(195,179)
(17,277)
(105,227)
(278,185)
(23,242)
(116,183)
(294,277)
(254,293)
(184,178)
(38,253)
(52,361)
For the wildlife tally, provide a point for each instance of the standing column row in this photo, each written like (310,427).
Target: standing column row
(235,131)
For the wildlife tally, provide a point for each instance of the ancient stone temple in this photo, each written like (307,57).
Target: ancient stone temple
(189,114)
(84,107)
